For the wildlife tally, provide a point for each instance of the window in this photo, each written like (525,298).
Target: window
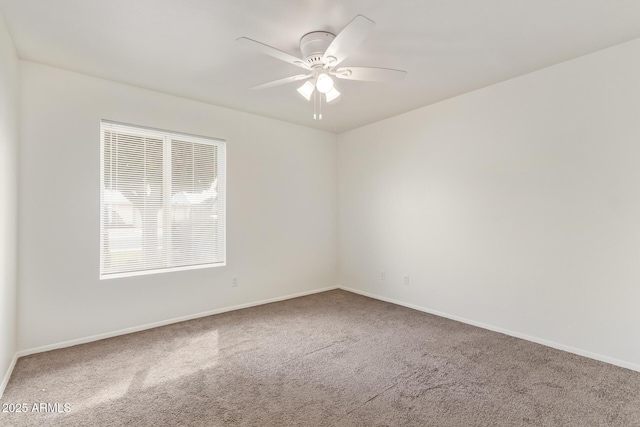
(162,201)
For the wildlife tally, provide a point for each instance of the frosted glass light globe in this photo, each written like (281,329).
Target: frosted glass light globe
(332,94)
(324,83)
(306,90)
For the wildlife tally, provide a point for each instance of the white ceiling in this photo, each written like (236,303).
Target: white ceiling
(188,47)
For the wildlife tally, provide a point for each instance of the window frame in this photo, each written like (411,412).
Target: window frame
(167,136)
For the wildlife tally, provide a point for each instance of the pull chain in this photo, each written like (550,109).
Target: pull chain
(315,107)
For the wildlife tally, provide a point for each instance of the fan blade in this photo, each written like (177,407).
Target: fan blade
(283,81)
(348,40)
(369,74)
(272,51)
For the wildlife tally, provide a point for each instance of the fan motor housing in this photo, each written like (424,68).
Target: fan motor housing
(313,45)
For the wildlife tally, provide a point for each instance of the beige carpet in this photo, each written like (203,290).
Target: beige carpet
(330,359)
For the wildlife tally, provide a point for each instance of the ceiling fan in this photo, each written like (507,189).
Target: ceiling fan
(321,53)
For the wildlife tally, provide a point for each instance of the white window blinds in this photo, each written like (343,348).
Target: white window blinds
(162,201)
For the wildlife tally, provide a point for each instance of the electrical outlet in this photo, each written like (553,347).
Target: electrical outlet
(382,275)
(406,280)
(234,282)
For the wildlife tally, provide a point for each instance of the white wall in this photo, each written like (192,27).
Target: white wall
(281,206)
(9,86)
(516,206)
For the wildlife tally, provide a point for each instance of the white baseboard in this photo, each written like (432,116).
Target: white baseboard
(5,380)
(69,343)
(579,352)
(125,331)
